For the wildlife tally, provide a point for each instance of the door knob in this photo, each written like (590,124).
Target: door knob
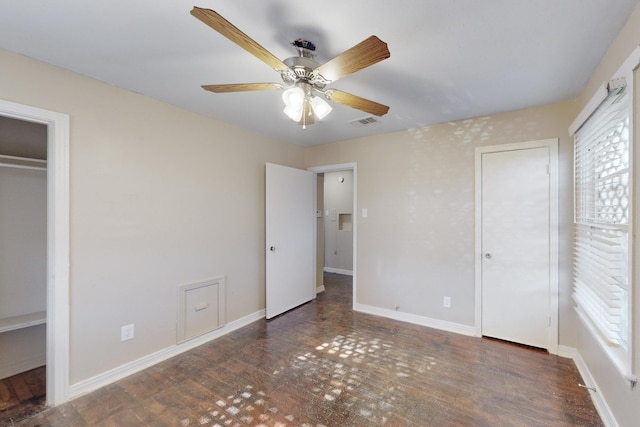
(487,256)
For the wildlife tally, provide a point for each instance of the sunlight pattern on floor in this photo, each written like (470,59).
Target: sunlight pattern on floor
(247,407)
(327,373)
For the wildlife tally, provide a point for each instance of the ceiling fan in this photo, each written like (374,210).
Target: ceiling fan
(304,79)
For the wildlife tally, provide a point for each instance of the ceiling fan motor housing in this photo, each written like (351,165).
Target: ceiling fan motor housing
(301,69)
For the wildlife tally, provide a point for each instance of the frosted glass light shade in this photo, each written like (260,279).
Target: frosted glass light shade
(294,114)
(320,107)
(293,97)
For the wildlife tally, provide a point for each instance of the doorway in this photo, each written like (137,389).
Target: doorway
(337,218)
(57,244)
(516,242)
(340,226)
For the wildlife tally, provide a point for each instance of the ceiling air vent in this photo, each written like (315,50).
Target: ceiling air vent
(367,121)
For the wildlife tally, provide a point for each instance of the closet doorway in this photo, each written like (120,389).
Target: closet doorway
(23,257)
(57,245)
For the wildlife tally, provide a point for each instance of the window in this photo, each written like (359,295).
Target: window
(602,218)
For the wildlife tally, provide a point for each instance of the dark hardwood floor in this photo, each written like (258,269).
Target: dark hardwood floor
(22,395)
(324,365)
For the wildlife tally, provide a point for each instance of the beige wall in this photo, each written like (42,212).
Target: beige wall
(417,243)
(623,401)
(159,197)
(23,241)
(22,350)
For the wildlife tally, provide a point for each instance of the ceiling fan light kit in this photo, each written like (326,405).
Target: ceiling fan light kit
(295,98)
(303,77)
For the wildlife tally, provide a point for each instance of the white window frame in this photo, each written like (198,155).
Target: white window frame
(622,358)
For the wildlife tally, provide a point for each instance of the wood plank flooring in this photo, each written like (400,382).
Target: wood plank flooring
(324,365)
(22,395)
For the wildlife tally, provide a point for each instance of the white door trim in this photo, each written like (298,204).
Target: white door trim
(552,146)
(344,167)
(57,243)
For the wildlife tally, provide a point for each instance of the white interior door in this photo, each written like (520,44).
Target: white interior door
(290,238)
(516,247)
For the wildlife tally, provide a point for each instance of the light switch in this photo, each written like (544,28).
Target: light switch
(364,212)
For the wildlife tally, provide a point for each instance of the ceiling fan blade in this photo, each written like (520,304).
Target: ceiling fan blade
(227,29)
(362,55)
(242,87)
(356,102)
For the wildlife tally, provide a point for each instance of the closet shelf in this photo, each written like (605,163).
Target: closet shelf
(23,321)
(22,162)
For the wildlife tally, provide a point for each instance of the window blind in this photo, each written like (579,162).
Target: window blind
(602,219)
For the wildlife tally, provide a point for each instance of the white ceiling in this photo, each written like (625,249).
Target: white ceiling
(450,59)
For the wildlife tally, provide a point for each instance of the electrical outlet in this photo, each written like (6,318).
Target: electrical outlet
(447,302)
(126,332)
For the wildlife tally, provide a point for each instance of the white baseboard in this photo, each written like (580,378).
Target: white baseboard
(566,351)
(27,363)
(338,271)
(598,399)
(417,320)
(108,377)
